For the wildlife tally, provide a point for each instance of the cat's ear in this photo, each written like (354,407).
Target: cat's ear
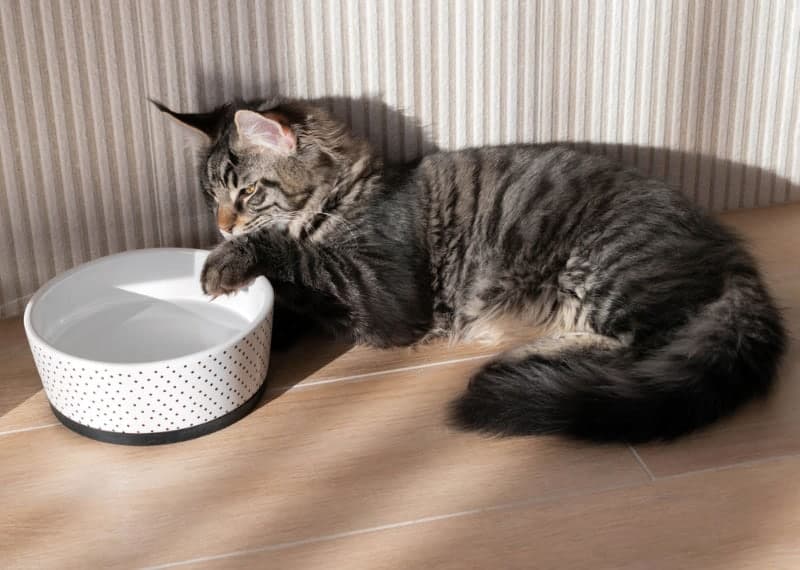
(264,131)
(206,126)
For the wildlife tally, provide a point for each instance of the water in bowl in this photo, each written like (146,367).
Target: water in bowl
(144,329)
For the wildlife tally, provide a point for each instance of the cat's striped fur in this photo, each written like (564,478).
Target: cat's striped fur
(656,321)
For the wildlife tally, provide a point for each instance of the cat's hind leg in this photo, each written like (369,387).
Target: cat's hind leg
(561,344)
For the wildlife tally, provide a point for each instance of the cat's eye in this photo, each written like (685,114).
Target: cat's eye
(249,190)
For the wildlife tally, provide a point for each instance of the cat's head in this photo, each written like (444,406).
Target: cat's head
(272,165)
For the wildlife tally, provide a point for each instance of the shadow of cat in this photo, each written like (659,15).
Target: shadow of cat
(401,137)
(714,183)
(290,366)
(397,136)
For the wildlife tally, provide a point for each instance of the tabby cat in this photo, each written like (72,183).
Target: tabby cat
(647,318)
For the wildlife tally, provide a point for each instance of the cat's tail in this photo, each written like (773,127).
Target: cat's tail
(724,356)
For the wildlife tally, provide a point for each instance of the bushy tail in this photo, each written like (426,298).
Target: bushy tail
(726,355)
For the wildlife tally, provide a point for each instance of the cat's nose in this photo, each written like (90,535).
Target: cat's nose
(226,219)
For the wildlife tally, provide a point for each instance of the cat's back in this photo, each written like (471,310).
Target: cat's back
(543,201)
(491,187)
(517,168)
(509,181)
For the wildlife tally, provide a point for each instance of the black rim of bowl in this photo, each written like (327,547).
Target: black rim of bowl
(159,438)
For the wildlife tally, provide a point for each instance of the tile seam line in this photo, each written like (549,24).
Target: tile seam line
(26,429)
(641,462)
(367,375)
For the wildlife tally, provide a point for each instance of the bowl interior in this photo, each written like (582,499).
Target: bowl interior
(142,306)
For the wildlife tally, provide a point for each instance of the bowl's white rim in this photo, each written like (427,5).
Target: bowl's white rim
(32,334)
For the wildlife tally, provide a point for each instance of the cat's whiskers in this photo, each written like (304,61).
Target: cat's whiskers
(259,223)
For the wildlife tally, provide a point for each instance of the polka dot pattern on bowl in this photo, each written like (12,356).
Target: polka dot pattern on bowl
(154,398)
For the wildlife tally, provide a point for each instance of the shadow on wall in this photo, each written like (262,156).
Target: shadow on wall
(714,183)
(394,134)
(398,136)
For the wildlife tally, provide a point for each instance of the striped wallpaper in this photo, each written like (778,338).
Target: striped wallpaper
(704,93)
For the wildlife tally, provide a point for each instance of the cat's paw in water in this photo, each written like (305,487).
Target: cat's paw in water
(228,268)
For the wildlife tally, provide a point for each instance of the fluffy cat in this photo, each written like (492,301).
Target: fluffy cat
(655,318)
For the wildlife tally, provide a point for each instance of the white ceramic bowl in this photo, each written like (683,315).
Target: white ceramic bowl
(130,350)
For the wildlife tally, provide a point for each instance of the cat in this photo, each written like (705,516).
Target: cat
(651,320)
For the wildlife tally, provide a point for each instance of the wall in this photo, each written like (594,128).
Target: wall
(704,93)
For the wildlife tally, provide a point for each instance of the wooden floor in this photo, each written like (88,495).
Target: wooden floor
(349,464)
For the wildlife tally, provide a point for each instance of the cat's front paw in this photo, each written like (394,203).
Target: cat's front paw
(228,268)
